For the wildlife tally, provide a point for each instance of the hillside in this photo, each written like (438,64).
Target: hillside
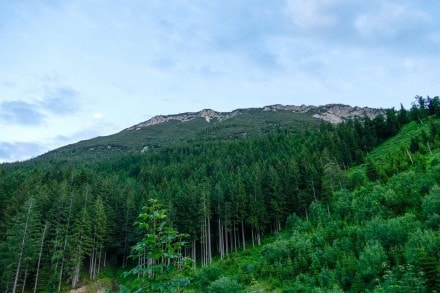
(64,223)
(171,130)
(372,235)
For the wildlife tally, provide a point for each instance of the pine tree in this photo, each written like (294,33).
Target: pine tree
(99,238)
(20,250)
(80,243)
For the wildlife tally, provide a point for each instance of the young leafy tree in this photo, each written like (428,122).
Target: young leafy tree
(161,267)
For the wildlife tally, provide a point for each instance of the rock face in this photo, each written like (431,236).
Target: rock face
(337,113)
(207,114)
(334,113)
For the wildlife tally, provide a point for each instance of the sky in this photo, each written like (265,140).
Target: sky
(76,69)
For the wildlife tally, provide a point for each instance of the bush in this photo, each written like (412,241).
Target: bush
(224,285)
(392,232)
(371,261)
(431,202)
(208,275)
(422,251)
(356,179)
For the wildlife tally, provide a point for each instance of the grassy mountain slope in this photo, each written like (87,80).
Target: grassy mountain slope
(380,235)
(172,130)
(249,123)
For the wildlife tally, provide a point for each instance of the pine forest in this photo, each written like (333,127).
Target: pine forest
(348,207)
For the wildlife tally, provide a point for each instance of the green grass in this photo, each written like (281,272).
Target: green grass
(398,142)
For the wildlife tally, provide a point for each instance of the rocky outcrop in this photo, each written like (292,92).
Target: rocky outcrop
(334,113)
(207,114)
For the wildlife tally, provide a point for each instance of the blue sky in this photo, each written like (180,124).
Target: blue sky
(72,70)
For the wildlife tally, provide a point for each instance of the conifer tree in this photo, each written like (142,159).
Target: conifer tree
(20,250)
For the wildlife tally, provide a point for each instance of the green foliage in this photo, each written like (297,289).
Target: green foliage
(402,279)
(207,275)
(422,251)
(391,232)
(431,209)
(372,261)
(352,204)
(161,267)
(224,285)
(372,170)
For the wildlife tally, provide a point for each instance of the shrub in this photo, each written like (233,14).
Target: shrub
(208,275)
(224,285)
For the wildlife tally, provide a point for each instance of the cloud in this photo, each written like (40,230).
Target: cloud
(61,100)
(10,152)
(21,113)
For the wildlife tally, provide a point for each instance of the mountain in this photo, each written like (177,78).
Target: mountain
(348,207)
(207,124)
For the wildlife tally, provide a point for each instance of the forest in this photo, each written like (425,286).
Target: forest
(347,207)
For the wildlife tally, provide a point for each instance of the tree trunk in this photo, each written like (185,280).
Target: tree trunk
(39,258)
(99,262)
(24,280)
(209,242)
(20,256)
(410,157)
(235,237)
(75,277)
(226,241)
(61,276)
(242,235)
(220,239)
(91,261)
(429,147)
(194,254)
(65,244)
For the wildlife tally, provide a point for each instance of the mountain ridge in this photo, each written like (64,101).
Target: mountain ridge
(207,124)
(333,113)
